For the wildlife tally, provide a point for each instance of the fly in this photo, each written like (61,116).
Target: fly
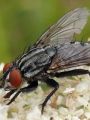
(54,51)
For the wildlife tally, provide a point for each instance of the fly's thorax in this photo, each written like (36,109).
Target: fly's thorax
(51,50)
(35,60)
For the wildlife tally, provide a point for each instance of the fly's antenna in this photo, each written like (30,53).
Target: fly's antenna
(7,71)
(3,77)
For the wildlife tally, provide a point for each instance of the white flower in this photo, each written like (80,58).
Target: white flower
(1,66)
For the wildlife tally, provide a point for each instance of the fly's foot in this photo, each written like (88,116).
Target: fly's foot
(43,106)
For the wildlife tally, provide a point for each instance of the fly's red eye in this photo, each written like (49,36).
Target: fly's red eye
(6,66)
(15,78)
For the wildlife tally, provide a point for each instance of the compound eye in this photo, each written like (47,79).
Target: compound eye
(6,66)
(15,78)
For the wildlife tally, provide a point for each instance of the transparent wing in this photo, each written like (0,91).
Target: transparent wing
(71,55)
(71,23)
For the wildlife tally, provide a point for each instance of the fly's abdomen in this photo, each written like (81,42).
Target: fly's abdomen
(71,55)
(35,60)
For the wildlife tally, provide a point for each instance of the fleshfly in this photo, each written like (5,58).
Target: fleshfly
(53,52)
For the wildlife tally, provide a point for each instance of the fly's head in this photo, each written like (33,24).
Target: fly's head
(11,78)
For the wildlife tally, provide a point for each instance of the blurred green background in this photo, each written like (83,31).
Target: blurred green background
(23,21)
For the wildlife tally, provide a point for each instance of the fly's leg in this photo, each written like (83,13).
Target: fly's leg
(9,94)
(32,86)
(14,97)
(71,73)
(53,84)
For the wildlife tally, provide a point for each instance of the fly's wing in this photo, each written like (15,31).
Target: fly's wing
(71,55)
(71,23)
